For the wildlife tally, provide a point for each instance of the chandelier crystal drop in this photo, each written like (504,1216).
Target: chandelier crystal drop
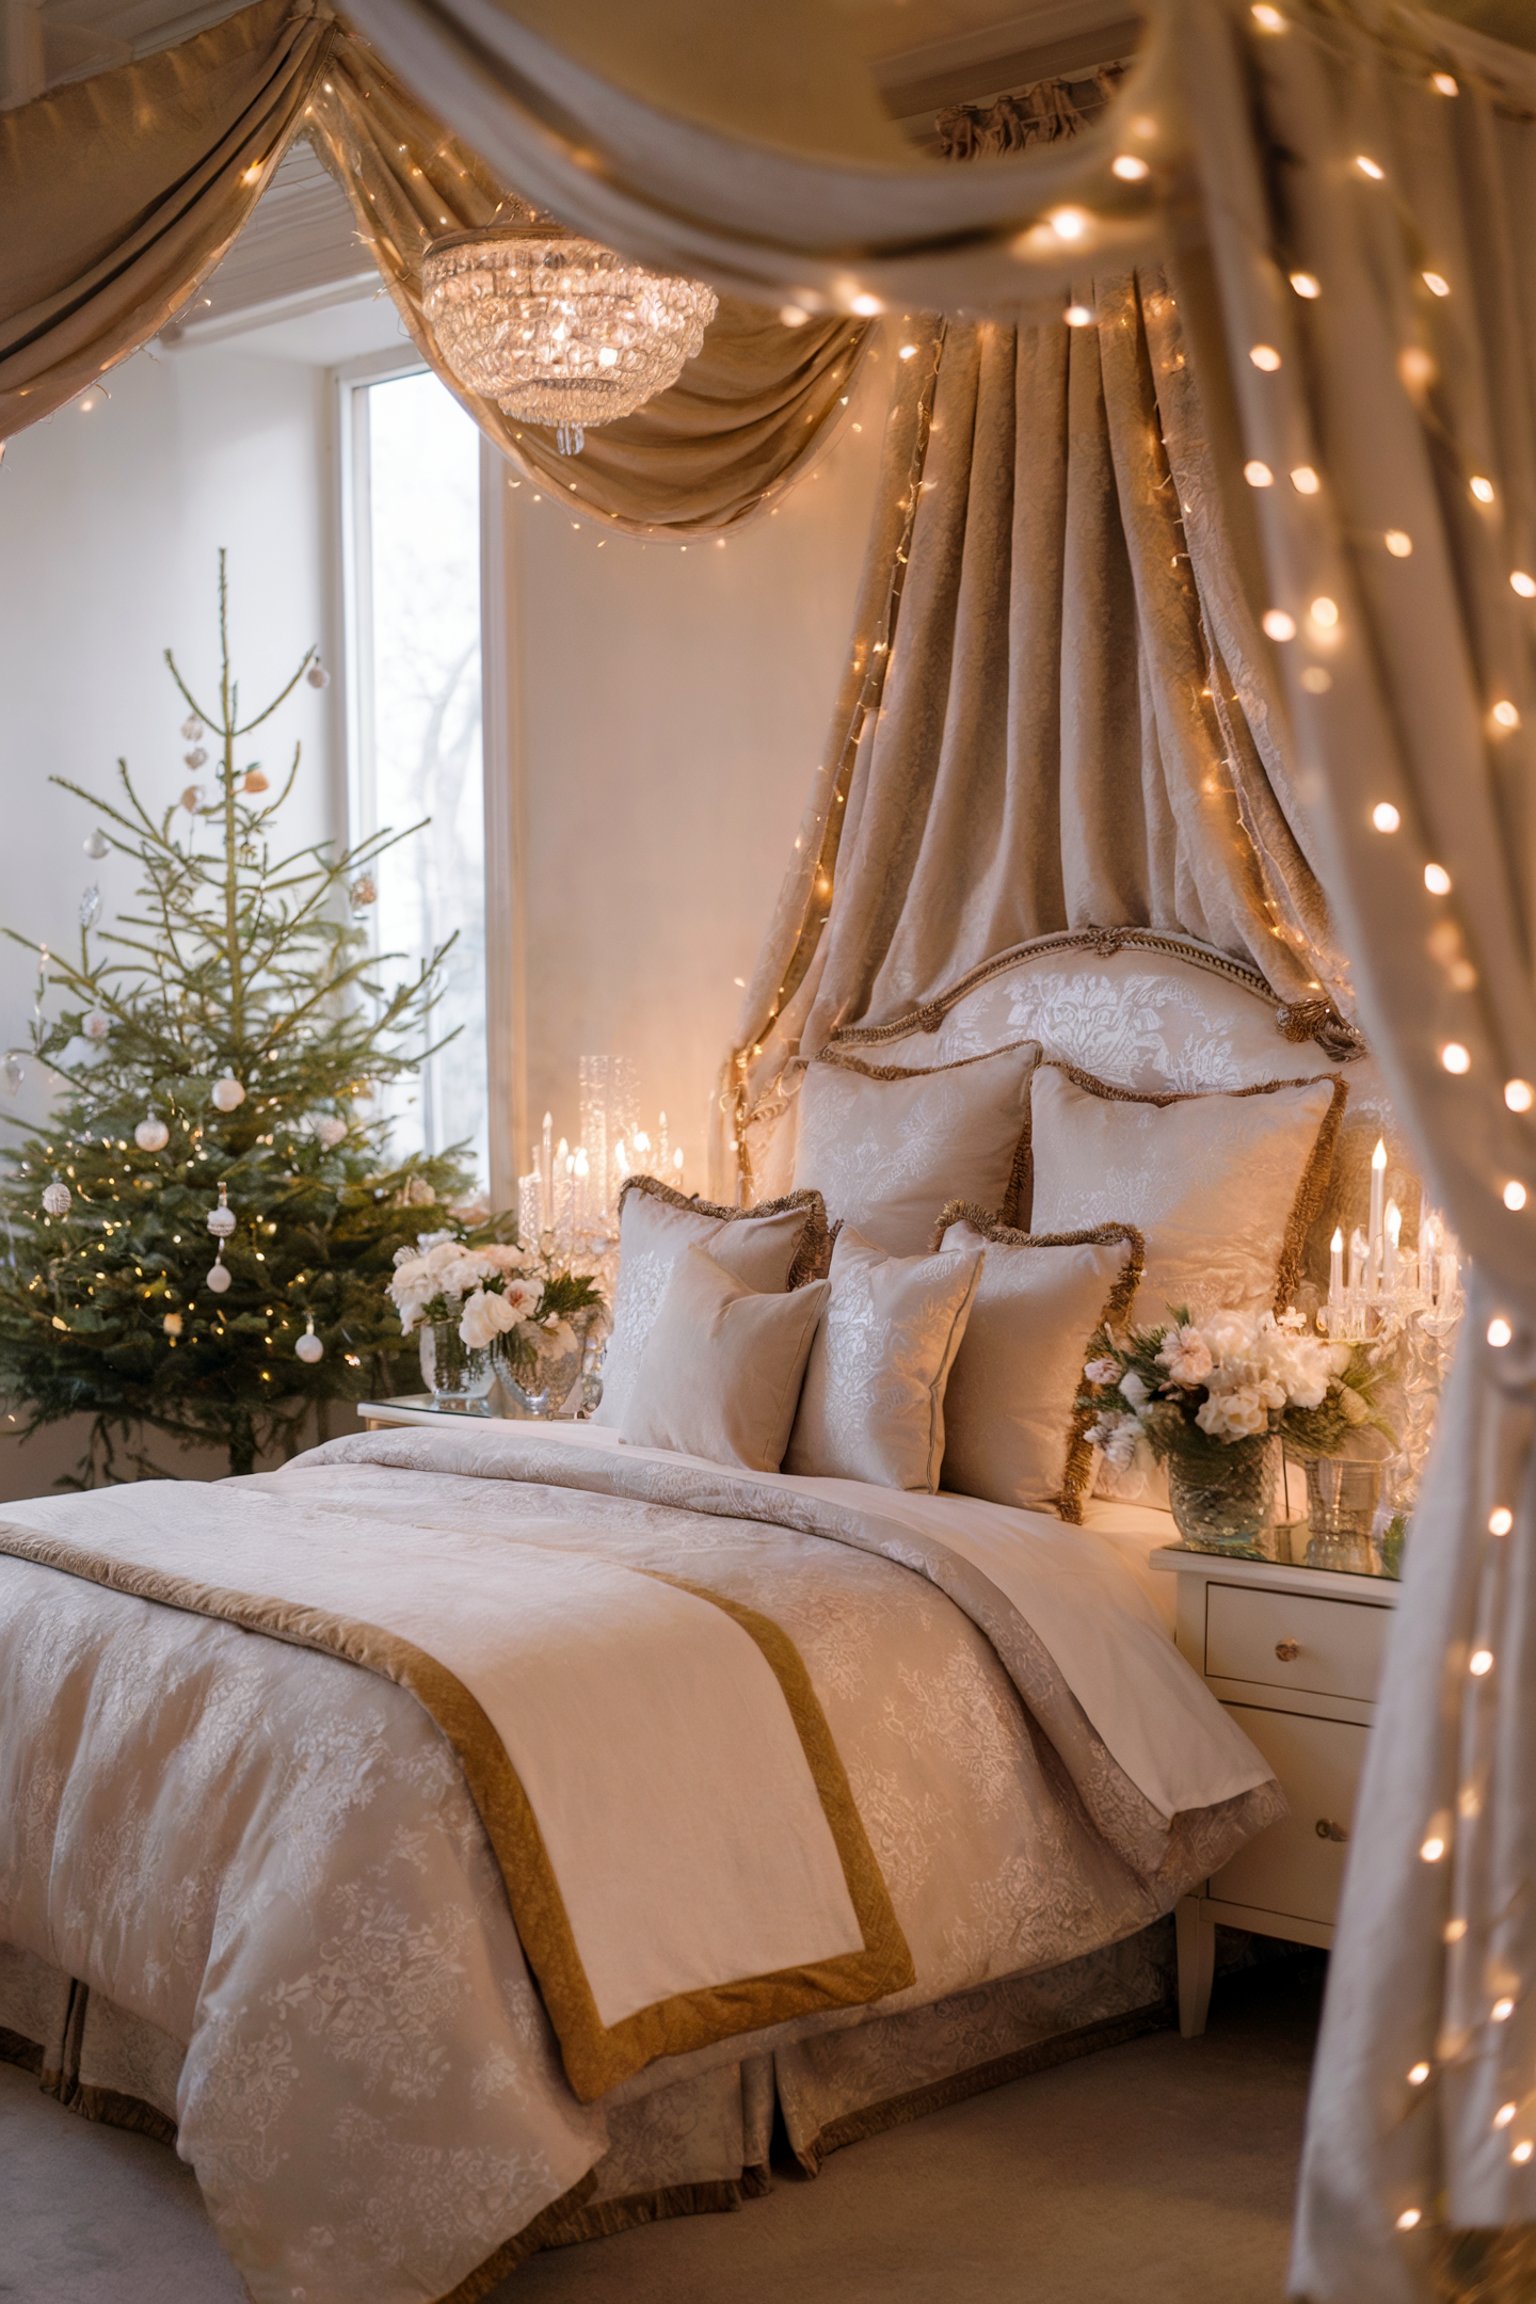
(557,329)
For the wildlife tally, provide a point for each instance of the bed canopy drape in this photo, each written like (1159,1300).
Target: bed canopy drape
(93,263)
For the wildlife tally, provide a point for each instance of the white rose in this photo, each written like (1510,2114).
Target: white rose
(506,1256)
(1102,1371)
(483,1319)
(522,1296)
(1235,1415)
(1186,1356)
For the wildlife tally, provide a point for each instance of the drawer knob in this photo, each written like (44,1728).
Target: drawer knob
(1287,1650)
(1327,1829)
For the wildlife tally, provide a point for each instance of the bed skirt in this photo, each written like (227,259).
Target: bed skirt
(689,2145)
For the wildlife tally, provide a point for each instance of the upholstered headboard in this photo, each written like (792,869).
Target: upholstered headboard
(1145,1009)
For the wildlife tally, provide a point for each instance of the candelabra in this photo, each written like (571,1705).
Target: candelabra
(568,1200)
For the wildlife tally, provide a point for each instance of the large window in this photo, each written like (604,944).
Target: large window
(415,721)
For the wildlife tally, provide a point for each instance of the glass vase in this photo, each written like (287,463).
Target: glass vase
(1343,1495)
(1224,1501)
(540,1382)
(458,1377)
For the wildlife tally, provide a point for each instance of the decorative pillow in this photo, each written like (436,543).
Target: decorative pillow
(720,1372)
(872,1406)
(771,1248)
(887,1147)
(1221,1186)
(1013,1431)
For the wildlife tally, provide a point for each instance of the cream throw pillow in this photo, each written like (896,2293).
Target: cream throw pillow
(1013,1432)
(872,1407)
(721,1369)
(887,1149)
(1222,1187)
(769,1248)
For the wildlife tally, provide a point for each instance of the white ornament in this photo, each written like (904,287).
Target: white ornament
(364,892)
(219,1274)
(15,1071)
(90,906)
(310,1347)
(152,1134)
(192,799)
(221,1220)
(196,758)
(191,729)
(56,1198)
(95,1025)
(317,675)
(228,1094)
(330,1131)
(96,843)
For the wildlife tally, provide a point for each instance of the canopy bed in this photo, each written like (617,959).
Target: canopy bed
(1289,406)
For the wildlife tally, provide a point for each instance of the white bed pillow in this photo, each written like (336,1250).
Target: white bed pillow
(720,1372)
(772,1247)
(1013,1432)
(872,1405)
(887,1146)
(1222,1186)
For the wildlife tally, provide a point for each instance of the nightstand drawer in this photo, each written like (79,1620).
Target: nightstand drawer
(1294,1868)
(1281,1640)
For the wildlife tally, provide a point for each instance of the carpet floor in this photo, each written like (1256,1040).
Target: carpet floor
(1161,2172)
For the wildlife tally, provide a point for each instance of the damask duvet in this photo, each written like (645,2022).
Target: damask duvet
(761,1751)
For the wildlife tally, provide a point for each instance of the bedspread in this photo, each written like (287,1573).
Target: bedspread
(274,1856)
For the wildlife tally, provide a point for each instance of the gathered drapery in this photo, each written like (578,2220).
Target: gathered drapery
(94,262)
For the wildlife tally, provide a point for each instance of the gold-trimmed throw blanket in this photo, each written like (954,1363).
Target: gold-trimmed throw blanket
(680,1849)
(274,1859)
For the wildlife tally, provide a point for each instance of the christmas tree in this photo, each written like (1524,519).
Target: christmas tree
(201,1234)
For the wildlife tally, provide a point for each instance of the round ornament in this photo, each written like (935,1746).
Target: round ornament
(191,730)
(228,1094)
(172,1324)
(221,1220)
(56,1198)
(192,799)
(219,1275)
(96,843)
(310,1347)
(364,891)
(317,675)
(152,1134)
(95,1024)
(256,780)
(330,1130)
(196,758)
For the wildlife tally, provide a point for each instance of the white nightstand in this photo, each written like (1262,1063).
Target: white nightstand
(414,1408)
(1295,1655)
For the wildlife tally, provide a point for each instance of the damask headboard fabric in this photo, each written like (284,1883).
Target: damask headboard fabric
(1148,1010)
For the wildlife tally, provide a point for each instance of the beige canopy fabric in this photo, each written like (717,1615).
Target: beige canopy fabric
(118,194)
(1075,729)
(94,261)
(734,431)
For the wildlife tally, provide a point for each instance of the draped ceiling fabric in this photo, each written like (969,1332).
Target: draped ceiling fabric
(93,262)
(1401,665)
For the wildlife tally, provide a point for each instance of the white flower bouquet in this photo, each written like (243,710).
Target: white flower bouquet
(498,1297)
(1209,1396)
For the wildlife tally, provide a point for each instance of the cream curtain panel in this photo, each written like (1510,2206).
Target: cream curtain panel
(94,261)
(1076,727)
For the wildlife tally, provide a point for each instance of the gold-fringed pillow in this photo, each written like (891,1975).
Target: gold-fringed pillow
(888,1145)
(1013,1431)
(721,1370)
(1222,1185)
(872,1406)
(772,1247)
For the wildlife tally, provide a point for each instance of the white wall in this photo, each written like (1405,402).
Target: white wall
(110,525)
(671,711)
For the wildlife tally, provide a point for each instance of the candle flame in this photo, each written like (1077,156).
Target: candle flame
(1337,1242)
(1379,1156)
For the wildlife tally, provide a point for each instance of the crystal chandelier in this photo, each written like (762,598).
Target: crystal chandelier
(555,328)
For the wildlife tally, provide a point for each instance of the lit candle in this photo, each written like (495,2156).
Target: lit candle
(1394,1240)
(1375,1235)
(1358,1251)
(1335,1277)
(642,1150)
(582,1168)
(546,1168)
(1429,1250)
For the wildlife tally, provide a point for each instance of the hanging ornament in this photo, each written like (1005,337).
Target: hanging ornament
(95,1024)
(172,1324)
(96,843)
(221,1220)
(192,799)
(191,729)
(219,1274)
(152,1134)
(56,1197)
(364,891)
(196,758)
(317,675)
(329,1130)
(228,1094)
(310,1347)
(14,1071)
(256,780)
(90,906)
